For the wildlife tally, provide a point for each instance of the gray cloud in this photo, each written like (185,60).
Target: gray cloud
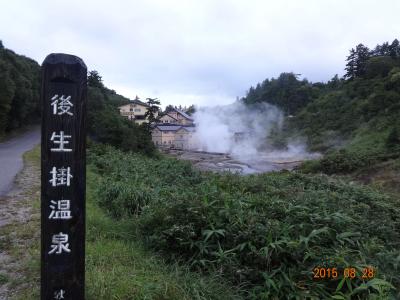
(203,52)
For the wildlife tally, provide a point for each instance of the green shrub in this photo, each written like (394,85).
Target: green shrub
(337,162)
(342,161)
(393,139)
(265,233)
(310,166)
(345,161)
(122,199)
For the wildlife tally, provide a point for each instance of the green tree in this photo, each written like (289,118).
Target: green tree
(335,82)
(7,89)
(95,80)
(169,108)
(355,66)
(19,90)
(393,138)
(154,107)
(191,110)
(287,92)
(382,50)
(394,49)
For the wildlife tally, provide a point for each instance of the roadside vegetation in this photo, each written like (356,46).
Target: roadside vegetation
(264,233)
(19,91)
(20,235)
(117,264)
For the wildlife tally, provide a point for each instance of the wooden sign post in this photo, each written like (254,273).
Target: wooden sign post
(63,100)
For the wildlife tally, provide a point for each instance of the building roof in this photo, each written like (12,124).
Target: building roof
(168,127)
(135,102)
(139,102)
(183,114)
(188,128)
(167,124)
(173,127)
(169,116)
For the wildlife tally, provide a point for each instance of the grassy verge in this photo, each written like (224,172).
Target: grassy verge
(117,265)
(263,233)
(21,238)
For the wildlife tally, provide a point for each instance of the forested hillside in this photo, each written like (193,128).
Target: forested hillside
(358,113)
(19,105)
(19,90)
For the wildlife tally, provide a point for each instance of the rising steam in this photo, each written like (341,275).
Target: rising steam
(243,131)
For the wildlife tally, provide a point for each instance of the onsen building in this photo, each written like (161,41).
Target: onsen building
(135,111)
(174,129)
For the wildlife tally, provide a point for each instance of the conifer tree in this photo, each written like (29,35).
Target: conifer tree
(356,61)
(154,107)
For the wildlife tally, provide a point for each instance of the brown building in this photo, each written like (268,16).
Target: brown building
(176,116)
(135,111)
(174,130)
(174,136)
(168,119)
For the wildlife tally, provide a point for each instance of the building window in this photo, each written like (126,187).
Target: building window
(165,142)
(137,109)
(134,105)
(131,109)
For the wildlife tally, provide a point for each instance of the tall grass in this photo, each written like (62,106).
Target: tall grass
(119,267)
(265,233)
(117,264)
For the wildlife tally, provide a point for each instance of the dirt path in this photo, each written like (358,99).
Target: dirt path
(19,230)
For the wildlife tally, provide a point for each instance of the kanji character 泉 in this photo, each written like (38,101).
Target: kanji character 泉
(59,244)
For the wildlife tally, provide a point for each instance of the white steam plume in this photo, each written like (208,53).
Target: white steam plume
(243,132)
(235,128)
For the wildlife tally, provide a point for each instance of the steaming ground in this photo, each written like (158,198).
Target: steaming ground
(222,162)
(241,135)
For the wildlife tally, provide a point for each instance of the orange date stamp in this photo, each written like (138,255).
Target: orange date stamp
(321,273)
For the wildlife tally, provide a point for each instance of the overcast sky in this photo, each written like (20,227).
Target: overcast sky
(204,52)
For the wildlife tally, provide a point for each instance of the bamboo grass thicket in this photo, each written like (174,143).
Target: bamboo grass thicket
(264,232)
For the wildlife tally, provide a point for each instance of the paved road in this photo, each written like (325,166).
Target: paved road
(11,157)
